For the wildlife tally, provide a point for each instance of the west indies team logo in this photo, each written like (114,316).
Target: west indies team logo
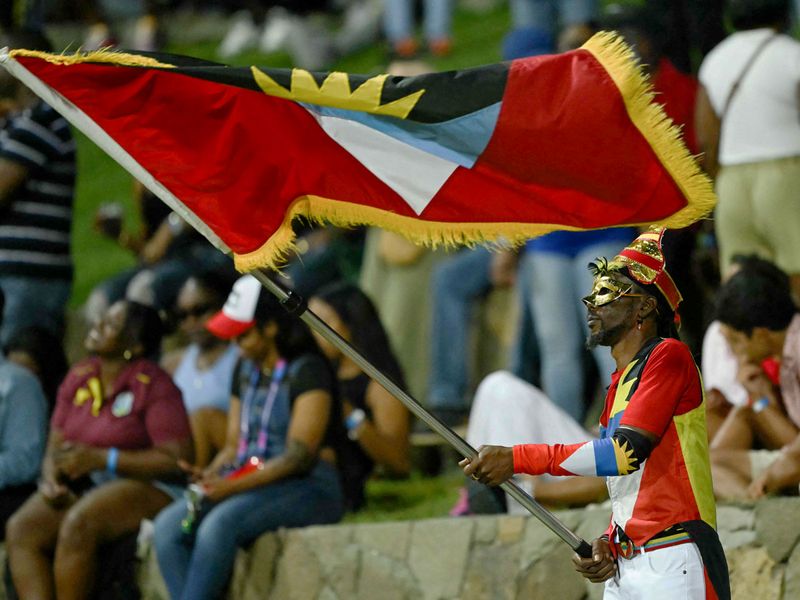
(123,404)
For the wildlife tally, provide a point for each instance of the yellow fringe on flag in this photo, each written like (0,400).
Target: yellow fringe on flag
(325,211)
(661,133)
(103,55)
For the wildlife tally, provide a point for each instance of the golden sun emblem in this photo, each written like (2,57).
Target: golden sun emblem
(335,92)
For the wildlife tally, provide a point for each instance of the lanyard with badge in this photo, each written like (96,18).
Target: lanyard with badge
(244,422)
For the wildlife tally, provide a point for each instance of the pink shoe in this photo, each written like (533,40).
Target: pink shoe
(461,507)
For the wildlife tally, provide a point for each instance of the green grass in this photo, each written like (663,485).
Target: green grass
(418,497)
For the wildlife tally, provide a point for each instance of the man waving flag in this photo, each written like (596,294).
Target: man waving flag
(507,151)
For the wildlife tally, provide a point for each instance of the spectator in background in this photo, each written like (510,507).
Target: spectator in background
(39,351)
(104,24)
(542,26)
(720,365)
(458,282)
(644,30)
(116,436)
(749,131)
(203,371)
(167,248)
(398,24)
(377,423)
(37,188)
(272,25)
(23,434)
(760,321)
(277,468)
(27,15)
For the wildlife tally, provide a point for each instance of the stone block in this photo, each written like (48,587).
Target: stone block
(386,579)
(298,575)
(731,517)
(388,539)
(485,529)
(776,526)
(754,574)
(151,583)
(537,542)
(594,591)
(510,529)
(553,576)
(440,546)
(254,570)
(337,556)
(593,522)
(491,573)
(737,539)
(791,576)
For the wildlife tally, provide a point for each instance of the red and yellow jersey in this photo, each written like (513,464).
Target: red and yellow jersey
(659,392)
(662,394)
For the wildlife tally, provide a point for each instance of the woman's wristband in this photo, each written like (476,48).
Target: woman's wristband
(112,457)
(353,422)
(760,404)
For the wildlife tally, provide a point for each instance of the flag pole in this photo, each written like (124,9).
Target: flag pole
(296,305)
(289,299)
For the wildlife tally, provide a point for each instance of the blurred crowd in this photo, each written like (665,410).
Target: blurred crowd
(203,406)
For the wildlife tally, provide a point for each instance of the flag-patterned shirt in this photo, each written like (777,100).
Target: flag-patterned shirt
(673,484)
(35,225)
(659,392)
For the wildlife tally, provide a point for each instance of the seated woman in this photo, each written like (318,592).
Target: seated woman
(167,251)
(116,436)
(203,370)
(277,468)
(377,423)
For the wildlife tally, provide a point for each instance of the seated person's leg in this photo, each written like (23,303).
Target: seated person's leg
(732,473)
(31,535)
(456,284)
(101,516)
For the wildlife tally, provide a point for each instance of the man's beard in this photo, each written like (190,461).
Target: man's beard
(605,337)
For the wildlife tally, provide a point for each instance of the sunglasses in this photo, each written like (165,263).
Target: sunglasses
(196,311)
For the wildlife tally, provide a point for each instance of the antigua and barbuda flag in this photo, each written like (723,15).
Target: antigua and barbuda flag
(506,152)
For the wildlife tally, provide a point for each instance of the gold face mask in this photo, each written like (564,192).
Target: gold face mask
(605,290)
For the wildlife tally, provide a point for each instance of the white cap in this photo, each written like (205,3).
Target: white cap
(238,314)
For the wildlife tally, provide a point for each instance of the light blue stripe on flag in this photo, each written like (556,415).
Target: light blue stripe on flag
(460,140)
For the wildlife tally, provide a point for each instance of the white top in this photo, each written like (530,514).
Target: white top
(719,366)
(763,120)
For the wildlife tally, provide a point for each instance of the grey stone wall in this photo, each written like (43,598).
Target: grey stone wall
(485,558)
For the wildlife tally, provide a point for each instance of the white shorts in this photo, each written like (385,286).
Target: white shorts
(663,574)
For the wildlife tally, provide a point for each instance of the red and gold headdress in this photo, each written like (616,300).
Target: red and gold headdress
(643,261)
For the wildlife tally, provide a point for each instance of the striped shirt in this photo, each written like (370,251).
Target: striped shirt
(35,226)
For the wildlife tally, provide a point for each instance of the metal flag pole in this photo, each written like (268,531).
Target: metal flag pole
(296,305)
(289,299)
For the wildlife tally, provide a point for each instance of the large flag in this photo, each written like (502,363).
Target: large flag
(508,151)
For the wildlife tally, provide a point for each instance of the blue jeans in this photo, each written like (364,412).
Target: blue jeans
(525,358)
(558,282)
(535,23)
(202,569)
(456,284)
(398,19)
(33,301)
